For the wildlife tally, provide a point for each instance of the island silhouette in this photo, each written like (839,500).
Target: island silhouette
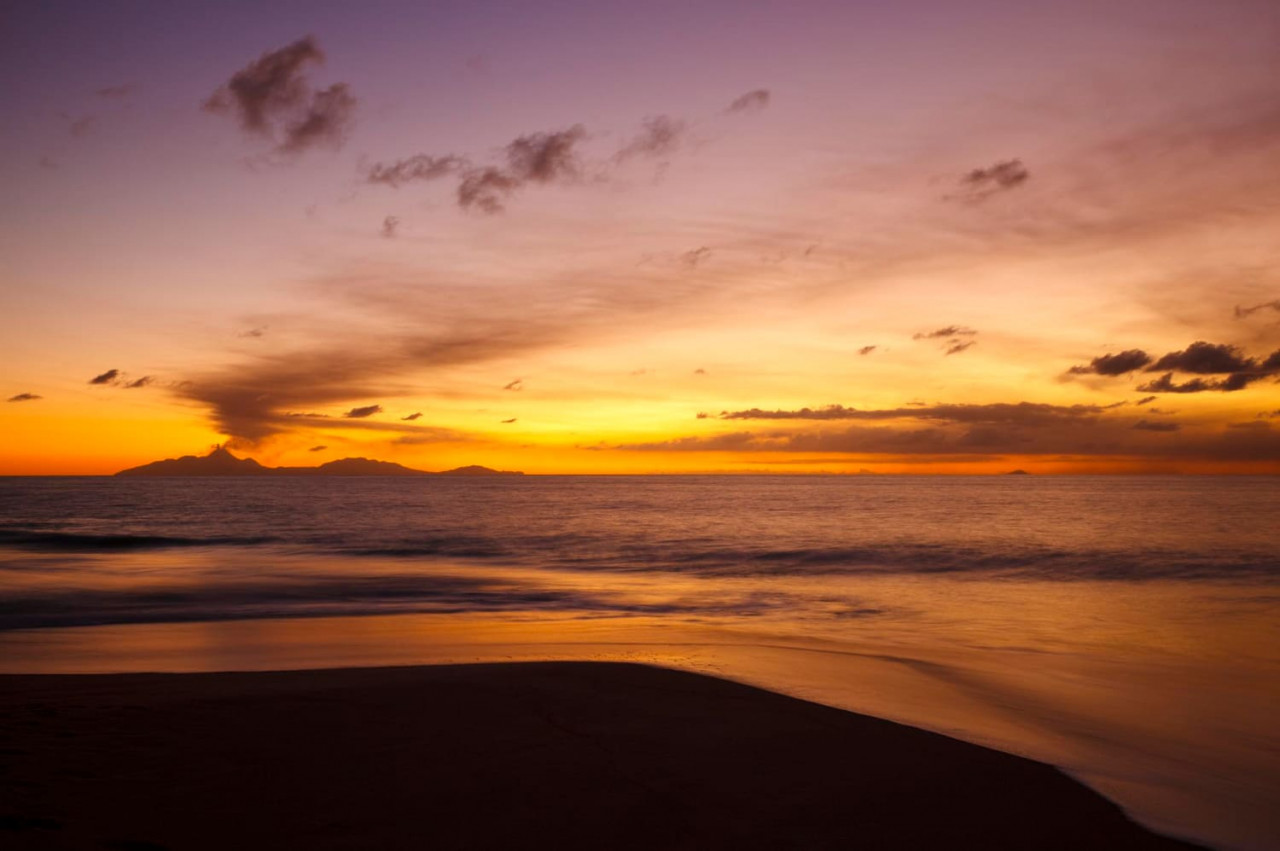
(220,462)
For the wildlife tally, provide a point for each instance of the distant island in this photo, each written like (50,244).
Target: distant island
(1017,473)
(221,462)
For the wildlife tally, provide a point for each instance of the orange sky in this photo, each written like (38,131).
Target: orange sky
(814,237)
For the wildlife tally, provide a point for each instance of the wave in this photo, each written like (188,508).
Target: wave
(52,541)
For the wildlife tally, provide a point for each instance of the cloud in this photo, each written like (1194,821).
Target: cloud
(982,183)
(982,431)
(949,331)
(1201,358)
(324,122)
(140,382)
(116,92)
(362,412)
(415,168)
(24,397)
(1146,400)
(999,412)
(484,189)
(254,333)
(1117,364)
(695,257)
(82,126)
(320,448)
(1148,425)
(753,101)
(660,135)
(1166,384)
(518,384)
(545,157)
(956,346)
(866,350)
(273,99)
(507,422)
(1242,312)
(108,377)
(416,415)
(389,226)
(699,371)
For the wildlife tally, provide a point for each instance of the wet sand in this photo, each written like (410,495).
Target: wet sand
(556,754)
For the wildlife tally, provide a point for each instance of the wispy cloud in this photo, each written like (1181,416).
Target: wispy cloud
(389,227)
(24,397)
(362,412)
(753,101)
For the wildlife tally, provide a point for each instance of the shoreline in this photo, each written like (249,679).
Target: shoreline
(570,754)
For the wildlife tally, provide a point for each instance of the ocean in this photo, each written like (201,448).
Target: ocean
(1124,628)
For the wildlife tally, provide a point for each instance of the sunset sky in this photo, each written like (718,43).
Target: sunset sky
(595,237)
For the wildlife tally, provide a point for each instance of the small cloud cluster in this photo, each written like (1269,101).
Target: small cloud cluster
(273,99)
(1198,359)
(753,101)
(389,227)
(954,336)
(116,378)
(24,397)
(362,412)
(540,158)
(981,183)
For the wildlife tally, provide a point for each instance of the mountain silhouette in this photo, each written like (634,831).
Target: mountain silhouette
(220,462)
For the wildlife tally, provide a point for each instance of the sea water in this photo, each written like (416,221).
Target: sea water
(1124,628)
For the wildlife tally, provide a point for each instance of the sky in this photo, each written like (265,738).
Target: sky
(660,237)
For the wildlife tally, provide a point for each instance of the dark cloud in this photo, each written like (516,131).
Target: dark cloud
(389,226)
(1117,364)
(518,384)
(1000,412)
(1166,384)
(982,183)
(415,168)
(273,99)
(139,382)
(949,331)
(866,350)
(325,121)
(1201,358)
(1242,312)
(320,448)
(955,347)
(254,333)
(660,135)
(484,189)
(108,377)
(695,257)
(1145,400)
(24,397)
(546,157)
(361,413)
(121,91)
(752,101)
(416,415)
(508,422)
(702,415)
(1148,425)
(993,431)
(699,371)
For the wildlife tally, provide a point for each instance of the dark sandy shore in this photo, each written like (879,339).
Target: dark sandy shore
(544,755)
